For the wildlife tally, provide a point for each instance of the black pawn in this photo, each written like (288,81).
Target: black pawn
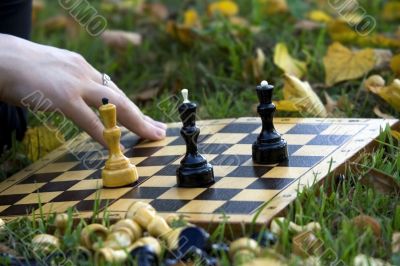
(269,148)
(194,170)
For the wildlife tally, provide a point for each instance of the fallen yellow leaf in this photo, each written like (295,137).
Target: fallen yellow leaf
(287,63)
(121,39)
(319,16)
(302,97)
(271,7)
(184,34)
(395,134)
(191,18)
(395,64)
(286,105)
(224,7)
(41,140)
(255,65)
(340,31)
(391,11)
(390,93)
(343,64)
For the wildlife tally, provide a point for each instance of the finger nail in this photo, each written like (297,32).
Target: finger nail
(160,133)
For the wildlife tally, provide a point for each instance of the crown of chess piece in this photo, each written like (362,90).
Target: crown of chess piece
(118,170)
(269,148)
(194,170)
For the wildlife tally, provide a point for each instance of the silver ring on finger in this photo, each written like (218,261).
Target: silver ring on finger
(106,79)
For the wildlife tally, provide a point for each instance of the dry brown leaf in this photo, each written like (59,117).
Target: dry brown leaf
(331,104)
(390,93)
(301,96)
(41,140)
(61,22)
(37,6)
(156,10)
(363,222)
(343,64)
(223,7)
(383,58)
(287,63)
(380,181)
(381,114)
(395,64)
(119,39)
(391,11)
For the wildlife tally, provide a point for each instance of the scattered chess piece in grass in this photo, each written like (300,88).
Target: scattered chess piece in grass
(45,243)
(265,238)
(144,252)
(61,223)
(270,147)
(396,242)
(118,170)
(91,233)
(182,238)
(364,260)
(306,244)
(279,223)
(244,250)
(194,170)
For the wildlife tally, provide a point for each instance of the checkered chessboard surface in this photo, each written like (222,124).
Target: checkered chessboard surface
(71,177)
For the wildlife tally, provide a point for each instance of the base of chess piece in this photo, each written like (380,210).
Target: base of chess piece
(194,172)
(270,153)
(119,173)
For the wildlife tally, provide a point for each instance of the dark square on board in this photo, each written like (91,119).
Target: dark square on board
(20,209)
(239,207)
(240,128)
(145,192)
(168,205)
(308,129)
(218,194)
(11,199)
(141,152)
(249,171)
(249,139)
(335,140)
(213,148)
(88,205)
(159,160)
(301,161)
(40,178)
(73,195)
(57,186)
(270,183)
(230,159)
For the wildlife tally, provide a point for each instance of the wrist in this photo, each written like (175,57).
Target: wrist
(8,45)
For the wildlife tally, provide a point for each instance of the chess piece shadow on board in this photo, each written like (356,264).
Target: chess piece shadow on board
(270,147)
(194,170)
(118,170)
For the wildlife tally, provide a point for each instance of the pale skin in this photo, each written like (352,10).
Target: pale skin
(70,84)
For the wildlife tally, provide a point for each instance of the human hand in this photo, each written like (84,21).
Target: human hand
(68,83)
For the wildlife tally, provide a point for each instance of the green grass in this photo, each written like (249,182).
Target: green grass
(213,70)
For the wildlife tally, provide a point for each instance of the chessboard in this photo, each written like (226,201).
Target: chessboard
(70,177)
